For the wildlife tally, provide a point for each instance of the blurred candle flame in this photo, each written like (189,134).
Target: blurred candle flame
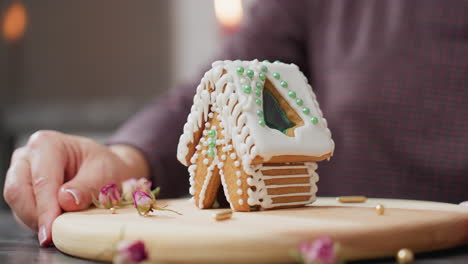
(229,12)
(14,22)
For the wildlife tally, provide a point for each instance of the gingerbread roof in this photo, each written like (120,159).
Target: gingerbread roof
(266,110)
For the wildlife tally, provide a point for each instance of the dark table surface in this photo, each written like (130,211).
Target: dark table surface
(18,245)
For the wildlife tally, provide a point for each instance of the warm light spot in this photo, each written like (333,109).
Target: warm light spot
(14,22)
(228,12)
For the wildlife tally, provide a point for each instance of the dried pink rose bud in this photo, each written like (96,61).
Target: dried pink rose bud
(131,185)
(109,196)
(143,202)
(321,251)
(129,252)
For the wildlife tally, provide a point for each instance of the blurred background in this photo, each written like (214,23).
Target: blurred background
(85,66)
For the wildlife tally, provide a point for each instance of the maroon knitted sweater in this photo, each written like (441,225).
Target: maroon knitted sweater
(391,78)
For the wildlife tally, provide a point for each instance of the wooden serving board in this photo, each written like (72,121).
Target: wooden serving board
(265,236)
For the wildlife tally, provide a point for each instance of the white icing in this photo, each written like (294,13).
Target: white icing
(261,197)
(267,177)
(240,112)
(238,118)
(193,159)
(239,191)
(225,188)
(241,202)
(209,173)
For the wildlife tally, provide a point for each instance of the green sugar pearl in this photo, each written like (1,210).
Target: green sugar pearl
(250,73)
(276,75)
(266,61)
(261,122)
(299,102)
(264,68)
(259,85)
(212,133)
(247,88)
(258,92)
(211,152)
(240,70)
(259,113)
(258,101)
(292,94)
(262,76)
(314,120)
(306,110)
(212,142)
(284,84)
(277,61)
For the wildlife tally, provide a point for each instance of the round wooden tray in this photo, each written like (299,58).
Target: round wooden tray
(264,236)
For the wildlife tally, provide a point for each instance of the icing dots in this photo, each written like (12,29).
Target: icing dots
(247,88)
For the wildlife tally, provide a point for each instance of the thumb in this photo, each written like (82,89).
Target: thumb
(94,173)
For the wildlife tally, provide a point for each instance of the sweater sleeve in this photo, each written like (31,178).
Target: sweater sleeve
(273,30)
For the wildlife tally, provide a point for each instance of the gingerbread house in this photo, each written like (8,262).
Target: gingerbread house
(256,130)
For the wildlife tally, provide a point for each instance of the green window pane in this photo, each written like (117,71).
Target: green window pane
(275,116)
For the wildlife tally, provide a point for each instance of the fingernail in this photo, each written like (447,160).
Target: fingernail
(74,194)
(464,203)
(42,235)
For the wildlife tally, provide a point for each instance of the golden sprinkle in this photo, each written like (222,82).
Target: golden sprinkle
(379,209)
(351,199)
(405,256)
(112,210)
(222,215)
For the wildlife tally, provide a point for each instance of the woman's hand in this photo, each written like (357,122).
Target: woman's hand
(56,172)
